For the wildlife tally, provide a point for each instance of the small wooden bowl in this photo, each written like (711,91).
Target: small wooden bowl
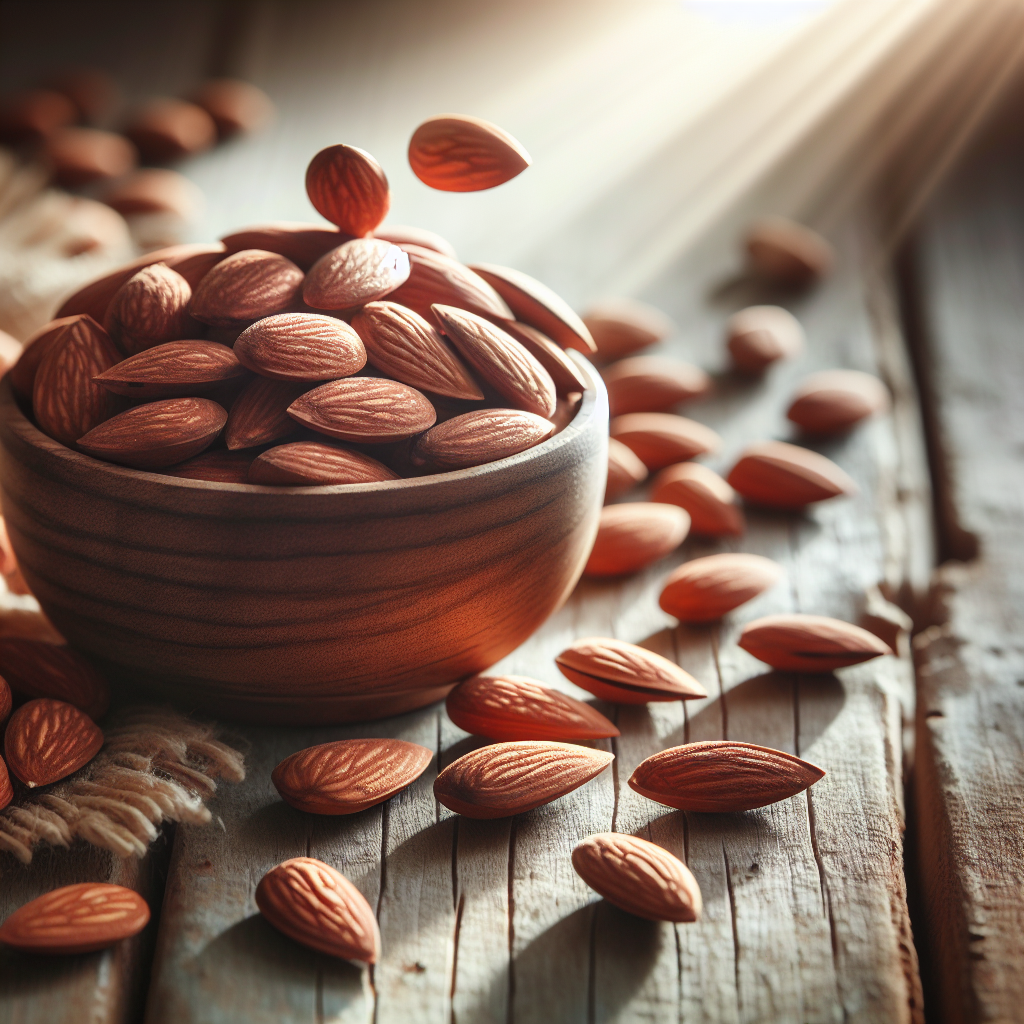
(302,605)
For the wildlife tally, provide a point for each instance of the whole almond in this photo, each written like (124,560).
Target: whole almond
(705,589)
(173,369)
(34,115)
(246,286)
(405,234)
(720,776)
(301,347)
(621,327)
(300,242)
(475,438)
(563,370)
(435,278)
(660,438)
(403,345)
(761,335)
(81,155)
(625,673)
(22,375)
(634,534)
(833,401)
(625,470)
(169,129)
(6,789)
(710,501)
(518,708)
(652,384)
(157,434)
(347,186)
(638,877)
(809,643)
(509,778)
(347,776)
(260,413)
(235,106)
(367,409)
(150,308)
(785,476)
(47,740)
(355,273)
(784,252)
(313,463)
(152,190)
(37,669)
(500,360)
(319,907)
(75,919)
(216,466)
(457,153)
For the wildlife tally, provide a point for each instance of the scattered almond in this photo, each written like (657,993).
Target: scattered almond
(710,501)
(563,370)
(621,327)
(34,115)
(36,669)
(367,409)
(833,401)
(809,643)
(299,242)
(216,466)
(236,107)
(81,155)
(785,476)
(475,438)
(168,129)
(784,252)
(153,190)
(652,384)
(661,438)
(634,534)
(705,589)
(149,308)
(761,335)
(313,463)
(355,273)
(173,369)
(47,740)
(301,347)
(457,153)
(347,186)
(246,286)
(625,470)
(260,413)
(404,234)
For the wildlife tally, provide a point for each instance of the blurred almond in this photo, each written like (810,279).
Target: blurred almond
(625,470)
(710,501)
(81,155)
(302,243)
(301,347)
(34,115)
(260,413)
(785,476)
(705,589)
(313,463)
(153,190)
(246,286)
(93,91)
(652,384)
(216,466)
(173,369)
(621,327)
(833,401)
(457,153)
(347,186)
(236,107)
(22,375)
(367,409)
(634,534)
(659,439)
(475,438)
(761,335)
(434,278)
(149,308)
(6,792)
(355,273)
(563,370)
(47,740)
(784,252)
(36,669)
(168,129)
(404,234)
(809,643)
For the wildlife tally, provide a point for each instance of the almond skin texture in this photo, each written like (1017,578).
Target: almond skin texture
(22,375)
(707,588)
(518,708)
(347,186)
(36,669)
(625,470)
(150,308)
(659,439)
(246,286)
(833,401)
(405,234)
(634,534)
(457,153)
(809,643)
(349,775)
(500,360)
(710,501)
(77,918)
(638,877)
(722,776)
(6,789)
(652,384)
(761,335)
(260,413)
(366,409)
(216,466)
(169,129)
(313,463)
(563,370)
(355,273)
(173,369)
(509,778)
(319,907)
(300,242)
(784,252)
(478,437)
(621,327)
(403,345)
(80,155)
(301,347)
(434,278)
(625,673)
(46,740)
(785,476)
(157,434)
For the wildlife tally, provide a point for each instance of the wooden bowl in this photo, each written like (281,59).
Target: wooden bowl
(302,605)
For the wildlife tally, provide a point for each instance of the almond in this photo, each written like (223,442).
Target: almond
(621,327)
(833,401)
(36,669)
(245,286)
(175,368)
(313,463)
(93,92)
(659,438)
(215,466)
(638,877)
(517,708)
(625,470)
(168,129)
(355,273)
(9,568)
(33,115)
(157,434)
(347,186)
(634,534)
(302,243)
(235,106)
(301,347)
(74,919)
(809,643)
(652,384)
(710,501)
(150,308)
(707,588)
(761,335)
(367,409)
(785,476)
(625,673)
(784,252)
(22,375)
(500,360)
(65,401)
(319,907)
(457,153)
(46,740)
(6,700)
(260,413)
(435,278)
(152,190)
(475,438)
(6,789)
(403,345)
(509,778)
(720,776)
(404,234)
(81,155)
(563,370)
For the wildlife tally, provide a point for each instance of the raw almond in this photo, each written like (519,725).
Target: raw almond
(634,534)
(215,466)
(6,789)
(299,242)
(173,369)
(404,234)
(157,434)
(153,190)
(46,740)
(22,375)
(6,700)
(149,308)
(785,476)
(355,273)
(509,778)
(81,155)
(313,463)
(720,776)
(707,588)
(475,438)
(784,252)
(809,643)
(518,708)
(659,438)
(74,919)
(638,877)
(347,186)
(625,673)
(246,286)
(563,370)
(36,669)
(235,106)
(260,413)
(403,345)
(301,347)
(500,360)
(457,153)
(833,401)
(761,335)
(167,129)
(347,776)
(621,327)
(625,470)
(367,409)
(319,907)
(652,384)
(710,501)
